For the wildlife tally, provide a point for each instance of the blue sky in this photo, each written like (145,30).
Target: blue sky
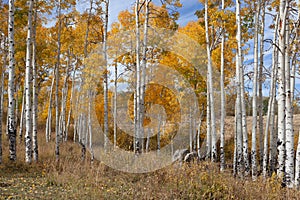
(186,12)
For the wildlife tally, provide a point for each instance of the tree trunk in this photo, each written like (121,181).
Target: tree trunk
(11,125)
(223,98)
(34,91)
(289,161)
(240,90)
(64,96)
(260,87)
(28,82)
(71,103)
(49,117)
(22,117)
(208,125)
(271,106)
(191,130)
(254,96)
(281,91)
(138,78)
(57,135)
(91,97)
(211,89)
(105,76)
(115,105)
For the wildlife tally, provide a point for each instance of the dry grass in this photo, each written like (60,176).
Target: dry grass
(73,179)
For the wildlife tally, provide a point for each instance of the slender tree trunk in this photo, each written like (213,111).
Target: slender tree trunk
(57,77)
(22,118)
(34,91)
(211,89)
(289,161)
(198,134)
(105,76)
(148,140)
(71,102)
(11,125)
(223,99)
(91,97)
(281,91)
(254,96)
(273,135)
(208,126)
(28,82)
(240,90)
(17,104)
(64,96)
(138,78)
(191,130)
(115,105)
(49,117)
(143,70)
(271,106)
(260,87)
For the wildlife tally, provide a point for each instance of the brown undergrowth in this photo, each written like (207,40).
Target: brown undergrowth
(71,178)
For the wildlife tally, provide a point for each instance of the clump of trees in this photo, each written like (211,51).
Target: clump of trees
(37,87)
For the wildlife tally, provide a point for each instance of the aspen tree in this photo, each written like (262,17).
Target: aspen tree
(28,83)
(211,89)
(254,95)
(11,125)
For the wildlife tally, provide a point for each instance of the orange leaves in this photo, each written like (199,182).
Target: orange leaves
(126,19)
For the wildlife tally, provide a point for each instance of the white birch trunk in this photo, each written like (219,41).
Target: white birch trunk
(211,89)
(57,77)
(191,130)
(17,104)
(273,132)
(143,69)
(260,87)
(281,91)
(115,105)
(254,97)
(28,82)
(22,117)
(11,126)
(91,97)
(208,126)
(34,91)
(49,117)
(138,78)
(223,99)
(105,76)
(240,90)
(271,106)
(198,134)
(64,101)
(289,161)
(71,102)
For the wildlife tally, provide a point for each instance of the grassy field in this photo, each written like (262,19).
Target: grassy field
(73,179)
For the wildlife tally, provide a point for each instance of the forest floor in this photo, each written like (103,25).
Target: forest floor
(73,179)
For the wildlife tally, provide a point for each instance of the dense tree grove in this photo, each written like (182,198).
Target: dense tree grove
(63,61)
